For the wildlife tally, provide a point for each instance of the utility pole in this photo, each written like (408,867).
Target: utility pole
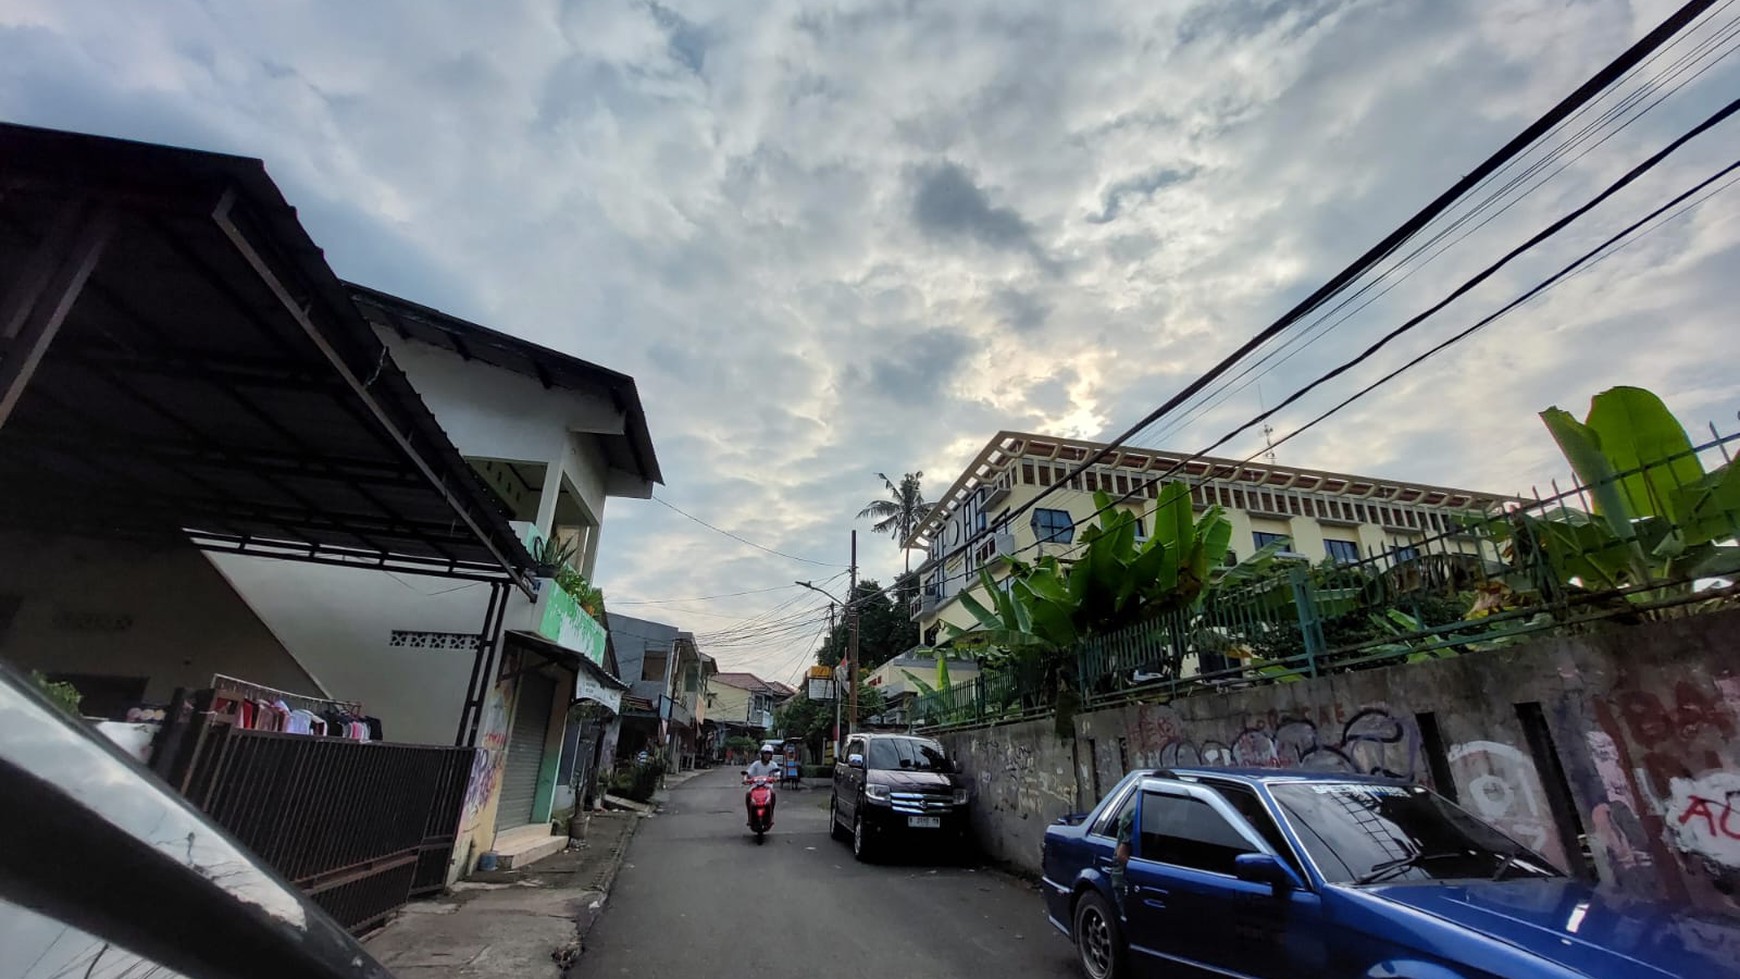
(852,648)
(838,741)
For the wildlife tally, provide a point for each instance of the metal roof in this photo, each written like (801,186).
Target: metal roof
(557,653)
(211,377)
(631,452)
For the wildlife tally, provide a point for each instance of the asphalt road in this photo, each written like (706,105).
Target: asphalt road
(697,898)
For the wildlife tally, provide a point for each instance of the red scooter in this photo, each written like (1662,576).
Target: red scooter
(760,805)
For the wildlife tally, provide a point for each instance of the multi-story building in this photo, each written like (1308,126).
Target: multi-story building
(744,702)
(669,682)
(1322,515)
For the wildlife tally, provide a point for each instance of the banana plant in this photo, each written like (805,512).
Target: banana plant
(1658,521)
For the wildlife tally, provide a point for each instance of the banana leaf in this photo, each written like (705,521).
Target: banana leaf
(1639,437)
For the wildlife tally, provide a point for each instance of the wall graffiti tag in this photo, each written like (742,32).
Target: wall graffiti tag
(1704,816)
(1371,741)
(1502,786)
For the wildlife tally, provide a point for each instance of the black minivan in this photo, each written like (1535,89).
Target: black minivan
(897,786)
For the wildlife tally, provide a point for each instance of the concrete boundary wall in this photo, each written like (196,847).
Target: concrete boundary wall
(1626,742)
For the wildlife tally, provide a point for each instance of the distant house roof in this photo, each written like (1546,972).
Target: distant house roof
(743,681)
(632,451)
(781,689)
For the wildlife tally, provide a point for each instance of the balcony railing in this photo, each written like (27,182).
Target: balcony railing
(674,711)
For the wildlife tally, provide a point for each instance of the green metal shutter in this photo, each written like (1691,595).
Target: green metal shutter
(525,752)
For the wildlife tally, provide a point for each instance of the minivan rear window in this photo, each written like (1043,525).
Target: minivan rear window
(908,754)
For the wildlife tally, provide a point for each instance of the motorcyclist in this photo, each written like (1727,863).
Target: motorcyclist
(764,767)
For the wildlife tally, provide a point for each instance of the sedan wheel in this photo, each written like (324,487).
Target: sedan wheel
(1099,943)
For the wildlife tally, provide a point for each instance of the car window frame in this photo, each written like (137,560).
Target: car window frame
(1104,826)
(1292,855)
(1216,802)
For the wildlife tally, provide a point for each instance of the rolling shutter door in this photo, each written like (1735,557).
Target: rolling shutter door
(525,752)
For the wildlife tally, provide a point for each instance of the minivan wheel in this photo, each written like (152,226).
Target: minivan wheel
(860,839)
(1099,942)
(835,830)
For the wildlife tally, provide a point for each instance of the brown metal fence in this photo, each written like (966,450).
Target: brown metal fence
(360,826)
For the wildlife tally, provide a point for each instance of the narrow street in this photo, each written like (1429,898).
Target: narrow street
(698,899)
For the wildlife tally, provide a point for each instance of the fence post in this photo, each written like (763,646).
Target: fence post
(979,697)
(1305,603)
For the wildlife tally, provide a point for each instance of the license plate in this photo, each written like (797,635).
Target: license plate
(924,822)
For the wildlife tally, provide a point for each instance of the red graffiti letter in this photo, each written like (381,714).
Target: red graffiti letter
(1700,807)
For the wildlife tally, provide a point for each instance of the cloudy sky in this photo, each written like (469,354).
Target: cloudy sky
(831,239)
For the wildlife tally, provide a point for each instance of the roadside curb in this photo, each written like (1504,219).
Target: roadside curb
(569,956)
(609,879)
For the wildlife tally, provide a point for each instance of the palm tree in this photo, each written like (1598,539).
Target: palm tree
(901,512)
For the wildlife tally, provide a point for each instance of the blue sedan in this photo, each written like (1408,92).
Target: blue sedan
(1277,874)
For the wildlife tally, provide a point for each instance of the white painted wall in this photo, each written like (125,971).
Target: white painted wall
(338,623)
(493,413)
(120,608)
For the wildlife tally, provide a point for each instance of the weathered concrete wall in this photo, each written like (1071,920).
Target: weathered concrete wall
(1628,736)
(1025,777)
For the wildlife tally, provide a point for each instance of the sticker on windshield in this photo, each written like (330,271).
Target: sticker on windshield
(1343,788)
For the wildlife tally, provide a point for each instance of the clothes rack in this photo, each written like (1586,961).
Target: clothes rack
(230,688)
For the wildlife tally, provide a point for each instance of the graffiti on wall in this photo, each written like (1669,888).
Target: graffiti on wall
(1614,824)
(1670,754)
(1369,741)
(486,767)
(1704,816)
(1018,776)
(1502,786)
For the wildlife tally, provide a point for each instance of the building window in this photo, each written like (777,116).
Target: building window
(1341,551)
(1262,540)
(1053,526)
(1404,552)
(1141,531)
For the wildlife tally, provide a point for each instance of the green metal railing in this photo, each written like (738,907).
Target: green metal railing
(1406,604)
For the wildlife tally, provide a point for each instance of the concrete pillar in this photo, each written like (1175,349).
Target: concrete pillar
(1242,544)
(547,496)
(1372,540)
(1307,536)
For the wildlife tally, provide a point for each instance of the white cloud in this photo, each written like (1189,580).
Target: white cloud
(831,242)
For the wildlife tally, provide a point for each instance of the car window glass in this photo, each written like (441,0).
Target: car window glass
(1251,807)
(1108,824)
(1188,832)
(1352,830)
(907,754)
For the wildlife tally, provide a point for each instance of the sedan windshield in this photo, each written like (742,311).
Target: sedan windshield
(909,754)
(1363,834)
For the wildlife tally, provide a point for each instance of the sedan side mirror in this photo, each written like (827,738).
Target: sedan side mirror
(1263,868)
(855,761)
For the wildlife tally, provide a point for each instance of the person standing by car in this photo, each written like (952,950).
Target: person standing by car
(1126,835)
(765,767)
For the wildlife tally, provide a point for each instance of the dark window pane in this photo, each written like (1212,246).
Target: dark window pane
(1188,833)
(1053,526)
(1341,551)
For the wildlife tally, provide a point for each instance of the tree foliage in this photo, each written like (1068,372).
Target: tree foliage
(901,511)
(885,625)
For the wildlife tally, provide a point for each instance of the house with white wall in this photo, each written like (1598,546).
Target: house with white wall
(552,438)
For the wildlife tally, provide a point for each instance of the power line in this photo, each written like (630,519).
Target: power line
(1595,255)
(704,598)
(741,540)
(1565,108)
(1323,325)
